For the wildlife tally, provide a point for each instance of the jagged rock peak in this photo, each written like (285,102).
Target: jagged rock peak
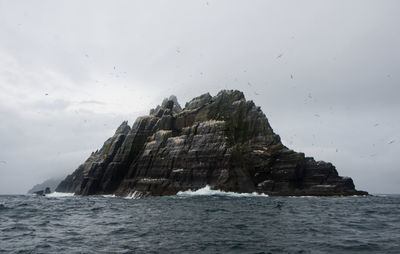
(170,103)
(123,128)
(198,101)
(232,95)
(224,96)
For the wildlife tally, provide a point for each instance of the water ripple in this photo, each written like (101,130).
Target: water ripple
(199,224)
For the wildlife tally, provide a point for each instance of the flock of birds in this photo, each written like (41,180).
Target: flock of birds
(309,96)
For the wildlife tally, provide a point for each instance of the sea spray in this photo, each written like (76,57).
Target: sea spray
(60,195)
(207,191)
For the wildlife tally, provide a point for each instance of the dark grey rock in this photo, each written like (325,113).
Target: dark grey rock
(222,141)
(198,101)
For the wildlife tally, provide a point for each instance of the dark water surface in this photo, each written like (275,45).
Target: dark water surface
(200,224)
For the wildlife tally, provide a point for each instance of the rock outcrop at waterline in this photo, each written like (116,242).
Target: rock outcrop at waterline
(223,141)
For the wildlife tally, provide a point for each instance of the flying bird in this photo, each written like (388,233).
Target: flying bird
(46,94)
(291,76)
(377,124)
(391,142)
(279,56)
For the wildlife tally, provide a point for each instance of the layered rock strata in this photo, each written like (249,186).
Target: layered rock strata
(223,141)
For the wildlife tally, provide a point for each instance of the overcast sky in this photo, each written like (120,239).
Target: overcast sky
(326,74)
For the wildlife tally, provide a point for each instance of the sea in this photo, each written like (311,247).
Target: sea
(203,221)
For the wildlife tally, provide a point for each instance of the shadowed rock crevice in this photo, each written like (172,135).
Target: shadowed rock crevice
(222,141)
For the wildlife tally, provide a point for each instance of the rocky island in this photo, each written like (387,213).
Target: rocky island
(223,141)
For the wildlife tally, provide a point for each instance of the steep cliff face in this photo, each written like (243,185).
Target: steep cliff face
(223,141)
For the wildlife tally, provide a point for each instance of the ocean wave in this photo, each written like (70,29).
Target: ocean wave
(275,224)
(207,191)
(59,195)
(304,196)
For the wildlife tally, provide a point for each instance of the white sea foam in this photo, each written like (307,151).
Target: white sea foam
(134,195)
(109,196)
(59,194)
(207,191)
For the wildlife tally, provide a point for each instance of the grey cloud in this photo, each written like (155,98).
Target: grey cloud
(92,102)
(339,60)
(48,104)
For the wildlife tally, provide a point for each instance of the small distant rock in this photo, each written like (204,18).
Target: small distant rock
(39,193)
(49,183)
